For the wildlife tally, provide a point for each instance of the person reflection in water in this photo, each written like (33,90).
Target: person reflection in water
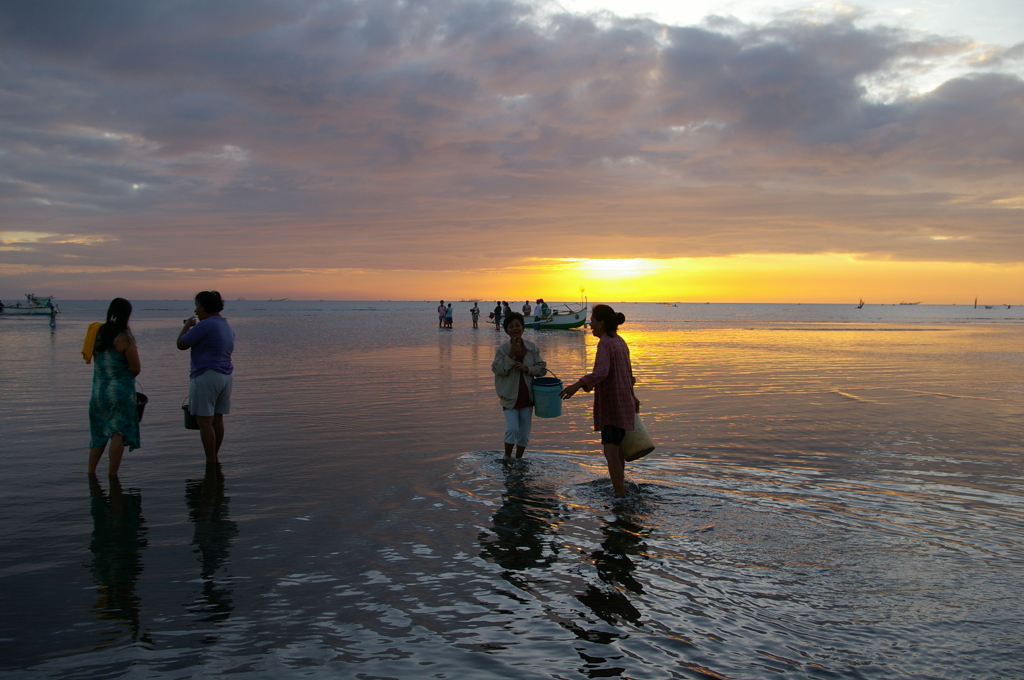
(622,537)
(527,514)
(118,536)
(208,511)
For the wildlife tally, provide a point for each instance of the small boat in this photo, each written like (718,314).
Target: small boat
(558,319)
(910,303)
(861,303)
(36,306)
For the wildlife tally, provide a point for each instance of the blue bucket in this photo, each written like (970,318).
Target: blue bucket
(546,400)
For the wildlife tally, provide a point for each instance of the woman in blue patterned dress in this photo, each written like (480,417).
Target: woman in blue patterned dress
(113,415)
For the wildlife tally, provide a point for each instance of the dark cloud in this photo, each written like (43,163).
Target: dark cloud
(384,131)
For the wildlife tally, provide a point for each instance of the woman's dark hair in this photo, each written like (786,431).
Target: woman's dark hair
(510,317)
(611,319)
(118,313)
(211,301)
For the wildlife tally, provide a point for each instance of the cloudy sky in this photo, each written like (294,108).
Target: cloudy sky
(456,149)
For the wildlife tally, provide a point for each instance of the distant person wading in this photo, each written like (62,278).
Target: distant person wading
(211,341)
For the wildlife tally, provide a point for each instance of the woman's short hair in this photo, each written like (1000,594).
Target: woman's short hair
(609,317)
(210,301)
(510,317)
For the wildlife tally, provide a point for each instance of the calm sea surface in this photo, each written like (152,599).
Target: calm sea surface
(836,493)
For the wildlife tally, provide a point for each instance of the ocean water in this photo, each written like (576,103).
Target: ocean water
(835,493)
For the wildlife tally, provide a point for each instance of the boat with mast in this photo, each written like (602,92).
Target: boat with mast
(33,306)
(573,316)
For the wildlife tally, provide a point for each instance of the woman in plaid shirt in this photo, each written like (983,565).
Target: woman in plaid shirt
(615,405)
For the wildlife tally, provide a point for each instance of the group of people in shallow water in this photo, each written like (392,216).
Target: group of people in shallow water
(518,361)
(113,406)
(501,311)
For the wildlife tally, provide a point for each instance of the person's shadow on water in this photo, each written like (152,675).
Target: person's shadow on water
(623,537)
(118,536)
(527,513)
(208,511)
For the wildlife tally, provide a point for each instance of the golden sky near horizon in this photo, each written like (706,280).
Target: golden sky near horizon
(389,150)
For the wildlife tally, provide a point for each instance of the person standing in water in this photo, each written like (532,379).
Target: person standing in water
(440,314)
(497,315)
(113,414)
(475,313)
(516,363)
(615,404)
(211,341)
(448,315)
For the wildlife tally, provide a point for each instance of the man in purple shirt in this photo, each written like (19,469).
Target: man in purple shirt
(211,341)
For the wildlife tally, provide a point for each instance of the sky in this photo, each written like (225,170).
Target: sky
(456,149)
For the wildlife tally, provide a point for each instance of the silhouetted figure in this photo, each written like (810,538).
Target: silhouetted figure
(211,342)
(615,404)
(113,412)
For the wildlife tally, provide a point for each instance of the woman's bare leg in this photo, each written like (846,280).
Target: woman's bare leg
(616,468)
(95,453)
(115,454)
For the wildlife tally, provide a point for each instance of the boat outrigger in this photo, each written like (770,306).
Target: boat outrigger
(40,306)
(557,319)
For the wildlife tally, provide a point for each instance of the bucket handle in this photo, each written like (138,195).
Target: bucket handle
(553,374)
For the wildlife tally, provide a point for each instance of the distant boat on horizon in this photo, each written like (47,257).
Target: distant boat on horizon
(277,299)
(861,303)
(910,303)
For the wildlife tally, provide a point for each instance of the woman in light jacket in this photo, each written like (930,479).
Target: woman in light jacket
(516,363)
